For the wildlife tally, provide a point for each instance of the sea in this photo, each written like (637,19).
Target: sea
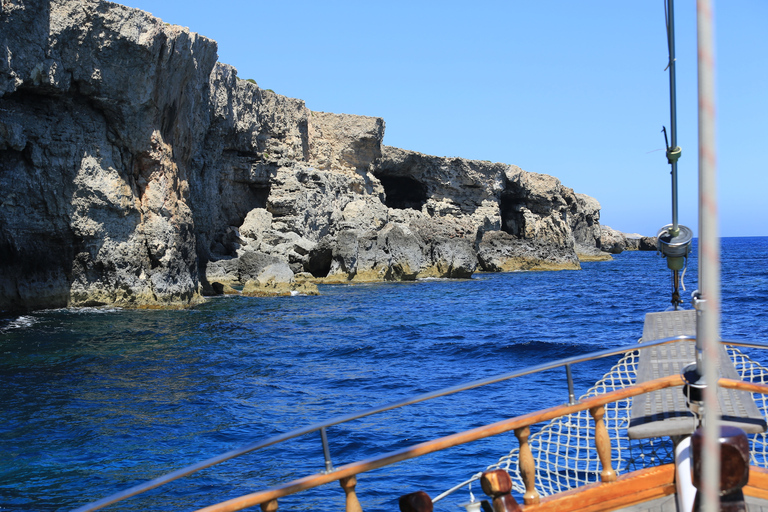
(96,400)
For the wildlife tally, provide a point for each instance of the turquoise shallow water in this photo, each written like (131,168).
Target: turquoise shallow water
(94,401)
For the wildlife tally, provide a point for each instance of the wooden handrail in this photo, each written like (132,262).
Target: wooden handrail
(628,490)
(743,386)
(526,420)
(188,470)
(518,423)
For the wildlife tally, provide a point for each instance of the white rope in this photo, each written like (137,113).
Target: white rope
(752,371)
(564,451)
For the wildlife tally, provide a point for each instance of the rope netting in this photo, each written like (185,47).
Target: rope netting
(564,449)
(752,371)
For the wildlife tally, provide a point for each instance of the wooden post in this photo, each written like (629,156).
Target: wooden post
(270,506)
(527,467)
(603,444)
(498,485)
(348,484)
(418,501)
(734,464)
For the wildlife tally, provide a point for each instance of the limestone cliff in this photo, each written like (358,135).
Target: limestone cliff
(137,170)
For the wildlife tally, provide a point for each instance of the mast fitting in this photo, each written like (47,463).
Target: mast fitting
(673,154)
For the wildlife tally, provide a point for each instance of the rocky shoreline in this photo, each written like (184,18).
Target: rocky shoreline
(138,171)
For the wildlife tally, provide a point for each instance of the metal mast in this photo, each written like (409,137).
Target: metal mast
(673,151)
(673,240)
(707,299)
(703,374)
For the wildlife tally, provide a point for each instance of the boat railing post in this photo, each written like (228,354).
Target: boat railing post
(498,485)
(326,451)
(527,466)
(603,444)
(571,394)
(418,501)
(270,506)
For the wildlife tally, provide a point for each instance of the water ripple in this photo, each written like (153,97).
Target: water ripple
(96,400)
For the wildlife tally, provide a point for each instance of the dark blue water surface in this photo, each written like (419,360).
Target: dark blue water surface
(96,400)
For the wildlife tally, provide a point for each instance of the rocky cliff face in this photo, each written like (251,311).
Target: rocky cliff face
(136,170)
(102,117)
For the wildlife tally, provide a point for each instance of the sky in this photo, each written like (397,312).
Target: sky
(576,89)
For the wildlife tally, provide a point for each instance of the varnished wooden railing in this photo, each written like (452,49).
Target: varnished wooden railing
(520,425)
(566,362)
(593,403)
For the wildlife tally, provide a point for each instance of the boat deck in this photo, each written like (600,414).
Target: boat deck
(664,504)
(669,504)
(664,412)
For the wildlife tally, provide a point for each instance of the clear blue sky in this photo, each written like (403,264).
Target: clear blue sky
(571,88)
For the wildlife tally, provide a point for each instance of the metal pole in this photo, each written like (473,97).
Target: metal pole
(708,318)
(326,451)
(571,394)
(674,240)
(673,153)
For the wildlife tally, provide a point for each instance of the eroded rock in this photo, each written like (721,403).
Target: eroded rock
(277,279)
(136,170)
(501,252)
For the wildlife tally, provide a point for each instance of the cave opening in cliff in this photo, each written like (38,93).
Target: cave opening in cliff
(257,196)
(512,220)
(242,198)
(319,262)
(403,192)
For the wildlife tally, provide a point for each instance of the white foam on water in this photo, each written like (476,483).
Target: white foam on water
(89,310)
(99,309)
(23,322)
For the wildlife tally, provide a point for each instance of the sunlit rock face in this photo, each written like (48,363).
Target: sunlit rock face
(102,112)
(136,170)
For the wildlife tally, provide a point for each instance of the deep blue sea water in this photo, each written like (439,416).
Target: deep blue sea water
(93,401)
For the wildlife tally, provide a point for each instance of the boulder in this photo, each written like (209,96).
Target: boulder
(501,252)
(647,243)
(612,241)
(257,222)
(277,279)
(250,265)
(224,272)
(584,219)
(452,257)
(275,273)
(393,254)
(367,214)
